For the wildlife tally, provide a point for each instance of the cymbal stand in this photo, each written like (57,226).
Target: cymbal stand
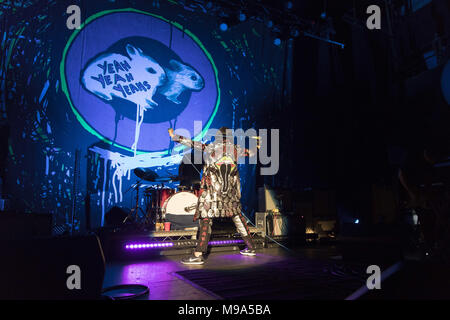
(135,211)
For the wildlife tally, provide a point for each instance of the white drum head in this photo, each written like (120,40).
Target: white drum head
(183,203)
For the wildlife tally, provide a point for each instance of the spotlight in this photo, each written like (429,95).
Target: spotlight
(223,26)
(357,221)
(242,17)
(295,32)
(323,15)
(269,24)
(277,41)
(288,5)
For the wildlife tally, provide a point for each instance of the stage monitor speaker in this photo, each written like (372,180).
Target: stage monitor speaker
(261,221)
(24,225)
(115,217)
(281,225)
(62,268)
(278,224)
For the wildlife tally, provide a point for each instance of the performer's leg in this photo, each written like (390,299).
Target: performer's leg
(242,228)
(202,246)
(204,235)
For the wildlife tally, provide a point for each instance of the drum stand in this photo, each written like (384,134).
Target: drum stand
(153,205)
(157,203)
(135,211)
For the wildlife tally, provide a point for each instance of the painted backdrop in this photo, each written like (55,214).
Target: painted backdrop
(113,87)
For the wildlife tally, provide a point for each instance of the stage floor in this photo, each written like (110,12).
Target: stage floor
(159,273)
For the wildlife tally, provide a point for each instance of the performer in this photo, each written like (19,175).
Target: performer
(220,191)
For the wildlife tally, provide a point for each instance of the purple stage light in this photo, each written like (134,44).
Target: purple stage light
(220,242)
(151,245)
(155,245)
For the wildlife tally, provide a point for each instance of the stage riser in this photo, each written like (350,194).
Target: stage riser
(115,249)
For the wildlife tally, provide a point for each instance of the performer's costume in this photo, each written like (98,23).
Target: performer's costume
(220,188)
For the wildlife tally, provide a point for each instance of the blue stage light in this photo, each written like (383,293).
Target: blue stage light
(295,33)
(277,41)
(223,26)
(242,17)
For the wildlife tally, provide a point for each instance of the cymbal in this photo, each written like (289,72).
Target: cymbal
(151,176)
(163,179)
(175,178)
(146,174)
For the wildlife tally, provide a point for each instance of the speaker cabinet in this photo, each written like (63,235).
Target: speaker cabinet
(40,268)
(24,225)
(261,221)
(281,224)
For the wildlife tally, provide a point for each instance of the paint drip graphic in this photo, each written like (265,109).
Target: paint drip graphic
(136,78)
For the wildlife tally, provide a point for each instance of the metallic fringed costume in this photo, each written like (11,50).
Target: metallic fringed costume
(220,189)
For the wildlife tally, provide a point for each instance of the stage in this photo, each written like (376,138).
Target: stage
(229,150)
(312,272)
(159,273)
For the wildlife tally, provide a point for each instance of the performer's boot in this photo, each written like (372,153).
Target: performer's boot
(202,246)
(192,259)
(242,228)
(250,249)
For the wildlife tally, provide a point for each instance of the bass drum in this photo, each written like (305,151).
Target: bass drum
(179,210)
(180,203)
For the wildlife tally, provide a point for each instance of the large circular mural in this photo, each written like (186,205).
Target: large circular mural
(129,75)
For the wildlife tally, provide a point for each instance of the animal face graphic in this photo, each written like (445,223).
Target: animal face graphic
(137,78)
(180,78)
(114,75)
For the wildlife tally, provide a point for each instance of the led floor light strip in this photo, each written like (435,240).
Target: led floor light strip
(153,245)
(158,245)
(220,242)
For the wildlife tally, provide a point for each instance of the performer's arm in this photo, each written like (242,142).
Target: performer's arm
(186,141)
(247,153)
(244,152)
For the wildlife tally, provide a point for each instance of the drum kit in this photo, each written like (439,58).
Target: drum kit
(159,201)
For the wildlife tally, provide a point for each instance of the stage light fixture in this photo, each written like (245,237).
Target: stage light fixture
(288,5)
(221,242)
(294,32)
(277,41)
(242,16)
(157,245)
(152,245)
(223,26)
